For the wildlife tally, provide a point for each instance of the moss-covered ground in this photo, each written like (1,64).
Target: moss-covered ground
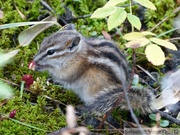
(41,109)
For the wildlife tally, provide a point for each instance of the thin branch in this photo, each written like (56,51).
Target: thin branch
(61,21)
(47,6)
(127,98)
(174,12)
(176,38)
(167,116)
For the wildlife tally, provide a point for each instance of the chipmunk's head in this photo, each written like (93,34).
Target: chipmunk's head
(58,49)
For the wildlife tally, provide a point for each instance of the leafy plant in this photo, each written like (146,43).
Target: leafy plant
(153,52)
(117,15)
(158,120)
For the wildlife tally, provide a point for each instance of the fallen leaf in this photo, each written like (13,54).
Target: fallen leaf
(26,37)
(5,91)
(170,90)
(106,35)
(5,57)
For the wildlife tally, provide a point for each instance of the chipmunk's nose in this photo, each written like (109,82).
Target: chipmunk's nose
(32,65)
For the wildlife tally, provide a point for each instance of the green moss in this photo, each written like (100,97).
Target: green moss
(165,8)
(33,108)
(32,114)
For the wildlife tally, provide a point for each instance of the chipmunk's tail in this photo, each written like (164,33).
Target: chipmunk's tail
(140,100)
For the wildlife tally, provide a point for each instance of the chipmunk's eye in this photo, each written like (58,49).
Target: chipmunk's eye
(51,52)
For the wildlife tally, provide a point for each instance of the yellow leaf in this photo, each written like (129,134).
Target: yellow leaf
(146,33)
(139,42)
(164,43)
(133,35)
(114,2)
(155,54)
(146,3)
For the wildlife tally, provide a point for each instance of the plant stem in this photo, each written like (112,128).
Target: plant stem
(22,88)
(130,6)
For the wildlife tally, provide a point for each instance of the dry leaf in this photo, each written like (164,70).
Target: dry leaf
(139,42)
(155,54)
(106,35)
(170,94)
(20,13)
(29,34)
(6,57)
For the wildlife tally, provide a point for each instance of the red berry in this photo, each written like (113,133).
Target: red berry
(31,65)
(12,113)
(28,79)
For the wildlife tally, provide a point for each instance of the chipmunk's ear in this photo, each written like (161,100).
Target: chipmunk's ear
(68,27)
(74,43)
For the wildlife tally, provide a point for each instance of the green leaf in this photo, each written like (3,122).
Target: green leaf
(103,12)
(26,37)
(139,42)
(134,20)
(117,18)
(146,3)
(133,36)
(152,116)
(5,58)
(114,2)
(5,91)
(12,25)
(155,54)
(164,43)
(164,123)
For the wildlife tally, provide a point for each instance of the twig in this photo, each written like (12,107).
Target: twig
(167,116)
(45,96)
(79,17)
(127,98)
(110,125)
(145,71)
(47,7)
(174,12)
(11,83)
(61,21)
(176,38)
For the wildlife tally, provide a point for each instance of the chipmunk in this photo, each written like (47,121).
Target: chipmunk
(95,69)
